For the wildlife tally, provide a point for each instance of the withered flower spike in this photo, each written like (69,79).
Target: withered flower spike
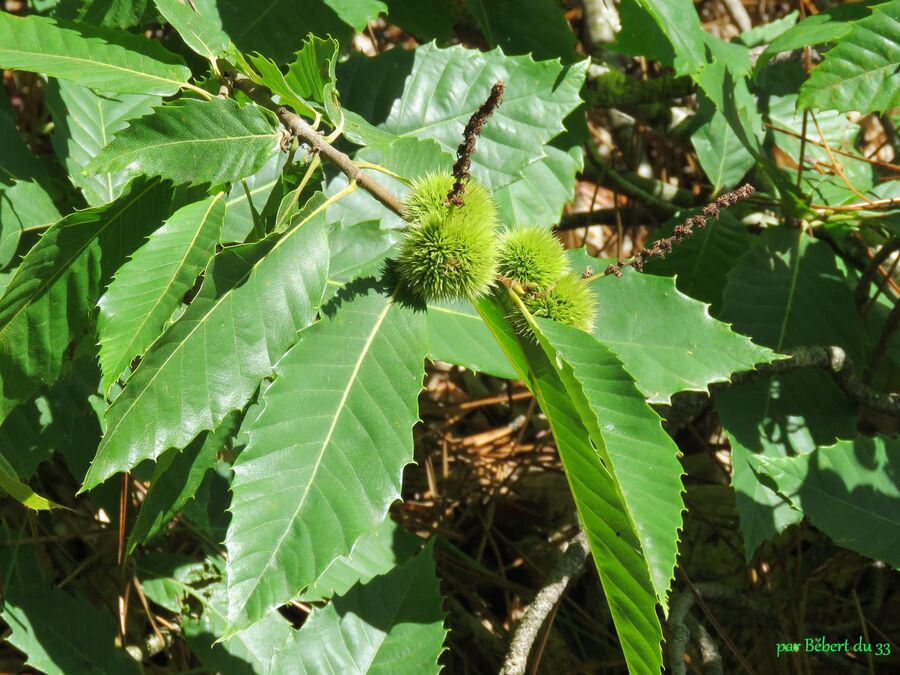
(662,247)
(467,148)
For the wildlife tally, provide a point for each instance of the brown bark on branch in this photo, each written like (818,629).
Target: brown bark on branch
(298,127)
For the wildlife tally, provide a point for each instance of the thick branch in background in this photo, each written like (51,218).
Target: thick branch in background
(835,361)
(680,624)
(568,568)
(467,148)
(654,193)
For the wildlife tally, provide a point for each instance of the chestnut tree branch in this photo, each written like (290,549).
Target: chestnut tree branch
(568,567)
(298,127)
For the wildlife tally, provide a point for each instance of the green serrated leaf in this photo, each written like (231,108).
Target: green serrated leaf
(848,491)
(679,22)
(538,97)
(457,335)
(254,299)
(616,547)
(357,13)
(136,306)
(262,186)
(86,121)
(672,344)
(60,421)
(49,302)
(536,27)
(767,32)
(839,132)
(24,205)
(271,27)
(628,435)
(334,435)
(194,141)
(102,60)
(828,25)
(785,292)
(720,151)
(860,73)
(426,21)
(545,187)
(114,13)
(391,625)
(375,553)
(200,33)
(61,633)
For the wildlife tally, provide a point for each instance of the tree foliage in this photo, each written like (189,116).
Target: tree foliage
(261,364)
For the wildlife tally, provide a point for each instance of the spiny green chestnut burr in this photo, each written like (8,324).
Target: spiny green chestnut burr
(570,301)
(447,252)
(531,256)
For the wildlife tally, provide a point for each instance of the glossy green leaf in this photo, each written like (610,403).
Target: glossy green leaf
(616,547)
(724,158)
(376,553)
(860,73)
(457,335)
(679,22)
(62,633)
(357,13)
(102,60)
(114,13)
(538,97)
(765,33)
(199,33)
(777,417)
(271,27)
(391,625)
(536,27)
(84,123)
(310,78)
(194,141)
(24,205)
(49,301)
(828,25)
(15,488)
(326,453)
(262,186)
(61,420)
(254,299)
(848,491)
(785,292)
(631,442)
(672,344)
(544,188)
(176,479)
(136,306)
